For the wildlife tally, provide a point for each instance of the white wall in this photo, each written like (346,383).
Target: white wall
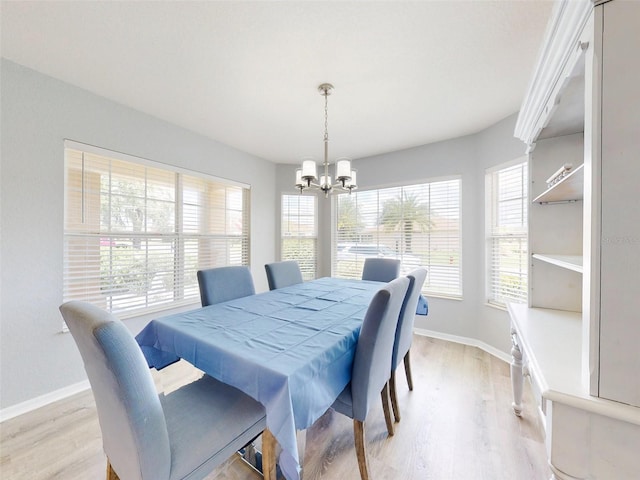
(469,318)
(37,114)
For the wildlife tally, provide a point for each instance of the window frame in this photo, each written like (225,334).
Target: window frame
(520,235)
(427,289)
(307,273)
(177,243)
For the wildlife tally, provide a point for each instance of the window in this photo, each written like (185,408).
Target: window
(419,224)
(136,232)
(506,190)
(299,232)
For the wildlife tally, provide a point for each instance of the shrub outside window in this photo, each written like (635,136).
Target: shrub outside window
(136,232)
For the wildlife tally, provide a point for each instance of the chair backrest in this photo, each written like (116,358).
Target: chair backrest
(283,274)
(380,269)
(404,331)
(224,283)
(134,431)
(371,365)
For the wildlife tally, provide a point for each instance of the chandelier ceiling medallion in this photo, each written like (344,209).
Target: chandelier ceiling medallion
(307,176)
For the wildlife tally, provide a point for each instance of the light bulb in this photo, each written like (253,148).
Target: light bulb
(309,169)
(343,169)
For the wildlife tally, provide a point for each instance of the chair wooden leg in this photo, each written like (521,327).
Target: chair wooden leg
(358,433)
(385,407)
(394,396)
(268,455)
(407,370)
(111,474)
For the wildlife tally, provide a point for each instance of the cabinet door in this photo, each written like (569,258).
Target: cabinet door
(620,190)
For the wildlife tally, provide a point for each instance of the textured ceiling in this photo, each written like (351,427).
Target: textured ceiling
(246,73)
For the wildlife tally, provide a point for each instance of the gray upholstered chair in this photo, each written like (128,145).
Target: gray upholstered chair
(147,436)
(224,283)
(372,364)
(404,335)
(380,269)
(283,274)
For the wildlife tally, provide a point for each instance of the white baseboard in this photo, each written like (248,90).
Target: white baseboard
(35,403)
(472,342)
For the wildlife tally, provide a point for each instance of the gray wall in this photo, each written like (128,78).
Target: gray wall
(496,145)
(38,113)
(468,157)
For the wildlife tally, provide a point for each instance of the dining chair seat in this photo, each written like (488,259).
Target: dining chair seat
(380,269)
(404,335)
(149,436)
(221,284)
(283,274)
(371,365)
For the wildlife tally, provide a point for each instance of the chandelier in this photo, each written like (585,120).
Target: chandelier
(307,176)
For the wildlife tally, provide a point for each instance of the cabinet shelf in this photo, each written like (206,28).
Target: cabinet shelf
(570,188)
(570,262)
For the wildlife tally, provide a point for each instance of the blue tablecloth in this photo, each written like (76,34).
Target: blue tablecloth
(291,349)
(423,306)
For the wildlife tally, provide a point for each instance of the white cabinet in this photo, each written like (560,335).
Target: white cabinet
(620,218)
(578,340)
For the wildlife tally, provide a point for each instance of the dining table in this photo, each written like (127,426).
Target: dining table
(291,349)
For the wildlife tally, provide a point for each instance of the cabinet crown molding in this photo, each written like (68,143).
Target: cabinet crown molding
(561,41)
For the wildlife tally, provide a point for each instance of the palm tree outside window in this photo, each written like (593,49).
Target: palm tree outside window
(418,224)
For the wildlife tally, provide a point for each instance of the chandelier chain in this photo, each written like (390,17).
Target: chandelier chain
(326,116)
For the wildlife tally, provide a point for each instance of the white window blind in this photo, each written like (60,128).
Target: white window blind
(299,232)
(507,234)
(136,233)
(419,224)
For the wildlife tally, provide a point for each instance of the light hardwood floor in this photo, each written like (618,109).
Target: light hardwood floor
(457,424)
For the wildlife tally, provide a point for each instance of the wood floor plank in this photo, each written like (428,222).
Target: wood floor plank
(457,424)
